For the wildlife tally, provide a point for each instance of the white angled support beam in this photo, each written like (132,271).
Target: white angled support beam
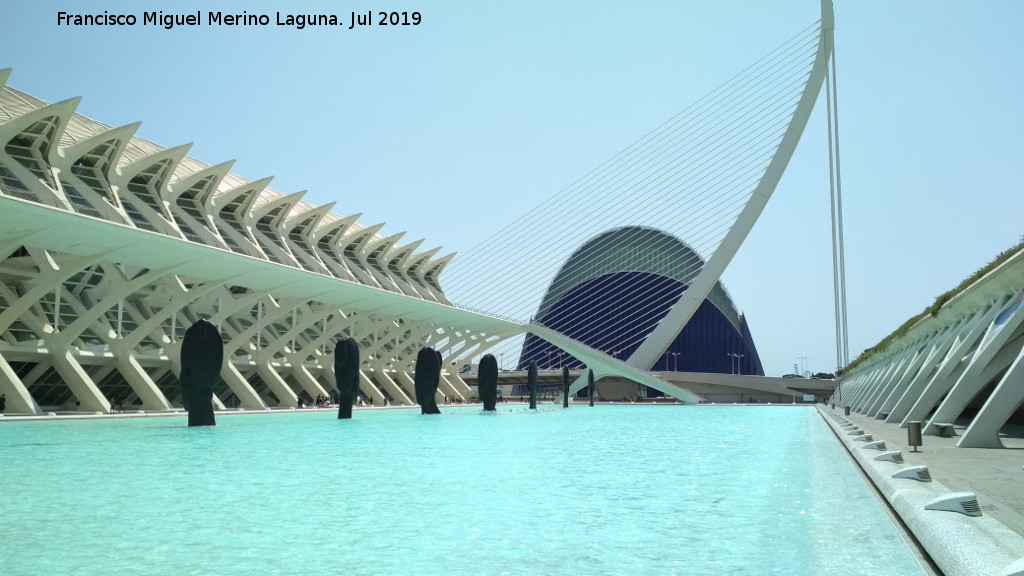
(1005,399)
(143,386)
(397,393)
(922,353)
(247,397)
(966,390)
(307,381)
(18,397)
(953,367)
(78,380)
(369,389)
(860,398)
(122,288)
(459,385)
(652,348)
(444,388)
(981,369)
(860,401)
(286,397)
(899,402)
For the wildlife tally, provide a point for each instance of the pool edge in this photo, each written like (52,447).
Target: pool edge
(958,544)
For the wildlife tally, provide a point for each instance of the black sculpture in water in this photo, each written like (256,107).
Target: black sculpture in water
(202,356)
(428,376)
(590,386)
(531,382)
(565,386)
(346,374)
(487,382)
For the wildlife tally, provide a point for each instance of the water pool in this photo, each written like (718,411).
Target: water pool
(603,490)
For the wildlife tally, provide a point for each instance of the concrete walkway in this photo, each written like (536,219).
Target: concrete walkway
(993,543)
(996,476)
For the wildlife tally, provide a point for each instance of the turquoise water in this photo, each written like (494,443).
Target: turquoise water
(604,490)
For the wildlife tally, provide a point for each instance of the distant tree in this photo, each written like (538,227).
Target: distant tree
(825,376)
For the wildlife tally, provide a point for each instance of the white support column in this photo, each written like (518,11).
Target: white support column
(143,386)
(972,381)
(286,342)
(370,389)
(305,379)
(286,397)
(120,289)
(19,400)
(460,385)
(882,376)
(49,278)
(445,388)
(888,396)
(338,325)
(999,334)
(855,388)
(916,404)
(953,367)
(869,380)
(217,404)
(892,376)
(182,299)
(840,392)
(1005,399)
(928,368)
(391,384)
(924,352)
(247,397)
(81,385)
(378,330)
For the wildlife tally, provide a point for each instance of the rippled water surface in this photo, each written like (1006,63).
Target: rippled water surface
(604,490)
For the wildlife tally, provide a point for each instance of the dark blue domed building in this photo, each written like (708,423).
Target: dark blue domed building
(615,289)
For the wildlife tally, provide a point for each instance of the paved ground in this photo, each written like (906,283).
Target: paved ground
(995,476)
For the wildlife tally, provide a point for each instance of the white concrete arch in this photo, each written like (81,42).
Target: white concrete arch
(230,210)
(187,200)
(30,156)
(375,250)
(141,187)
(324,239)
(432,270)
(297,230)
(266,222)
(202,196)
(116,139)
(350,248)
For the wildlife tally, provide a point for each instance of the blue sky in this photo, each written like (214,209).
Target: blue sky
(453,128)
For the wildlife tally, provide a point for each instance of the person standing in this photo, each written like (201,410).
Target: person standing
(3,403)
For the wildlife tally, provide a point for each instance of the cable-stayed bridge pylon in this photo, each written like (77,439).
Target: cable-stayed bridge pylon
(704,177)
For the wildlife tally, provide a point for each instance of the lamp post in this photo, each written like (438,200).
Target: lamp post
(675,361)
(736,368)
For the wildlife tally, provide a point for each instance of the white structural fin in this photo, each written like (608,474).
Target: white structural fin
(654,346)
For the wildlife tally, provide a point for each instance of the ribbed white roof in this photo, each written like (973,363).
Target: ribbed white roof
(14,103)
